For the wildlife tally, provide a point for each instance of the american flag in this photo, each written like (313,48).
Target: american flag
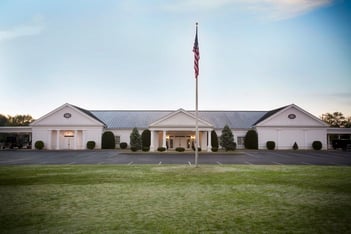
(196,55)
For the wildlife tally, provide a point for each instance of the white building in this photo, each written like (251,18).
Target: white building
(71,127)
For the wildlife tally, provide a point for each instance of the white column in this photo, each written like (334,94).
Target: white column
(49,139)
(152,141)
(209,141)
(84,144)
(57,139)
(164,139)
(75,139)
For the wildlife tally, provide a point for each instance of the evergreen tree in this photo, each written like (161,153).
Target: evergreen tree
(135,140)
(146,138)
(214,139)
(227,139)
(251,139)
(108,140)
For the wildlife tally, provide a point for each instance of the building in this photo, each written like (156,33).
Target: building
(69,127)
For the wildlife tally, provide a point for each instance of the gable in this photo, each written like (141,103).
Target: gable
(67,115)
(292,116)
(180,119)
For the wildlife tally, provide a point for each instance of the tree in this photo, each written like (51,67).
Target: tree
(251,139)
(135,140)
(214,139)
(336,119)
(227,139)
(3,120)
(108,140)
(19,120)
(146,138)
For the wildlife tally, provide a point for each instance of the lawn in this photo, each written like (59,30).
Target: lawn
(175,199)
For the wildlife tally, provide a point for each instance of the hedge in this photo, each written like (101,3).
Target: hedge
(317,145)
(270,145)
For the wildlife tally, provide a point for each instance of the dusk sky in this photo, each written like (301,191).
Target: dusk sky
(137,54)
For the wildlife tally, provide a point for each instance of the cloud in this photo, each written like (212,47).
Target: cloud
(272,9)
(33,28)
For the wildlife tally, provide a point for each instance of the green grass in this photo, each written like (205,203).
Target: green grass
(175,199)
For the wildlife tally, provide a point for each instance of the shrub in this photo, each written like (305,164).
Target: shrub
(146,138)
(295,146)
(161,149)
(123,145)
(135,139)
(108,140)
(180,149)
(214,139)
(91,145)
(198,149)
(133,148)
(231,147)
(270,145)
(227,138)
(251,139)
(214,149)
(39,145)
(317,145)
(146,148)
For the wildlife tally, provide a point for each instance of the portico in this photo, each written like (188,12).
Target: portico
(168,133)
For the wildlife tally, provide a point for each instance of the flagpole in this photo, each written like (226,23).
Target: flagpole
(196,125)
(196,104)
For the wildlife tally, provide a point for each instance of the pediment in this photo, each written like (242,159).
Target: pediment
(180,119)
(67,115)
(292,116)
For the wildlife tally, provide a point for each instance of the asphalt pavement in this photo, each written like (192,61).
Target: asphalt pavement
(248,157)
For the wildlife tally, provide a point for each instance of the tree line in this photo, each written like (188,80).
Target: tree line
(17,120)
(337,120)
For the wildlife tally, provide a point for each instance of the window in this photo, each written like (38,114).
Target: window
(118,140)
(241,140)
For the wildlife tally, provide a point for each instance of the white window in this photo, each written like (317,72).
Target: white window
(241,140)
(117,140)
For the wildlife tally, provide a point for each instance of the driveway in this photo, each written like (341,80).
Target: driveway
(248,157)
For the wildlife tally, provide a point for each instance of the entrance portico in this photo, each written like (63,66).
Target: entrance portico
(168,133)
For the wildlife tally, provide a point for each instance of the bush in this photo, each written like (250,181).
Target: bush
(227,138)
(295,146)
(91,145)
(214,139)
(161,149)
(198,149)
(108,140)
(317,145)
(251,139)
(270,145)
(39,145)
(146,148)
(134,148)
(180,149)
(135,139)
(123,145)
(146,138)
(231,147)
(214,149)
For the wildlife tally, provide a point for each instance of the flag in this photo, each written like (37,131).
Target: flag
(196,55)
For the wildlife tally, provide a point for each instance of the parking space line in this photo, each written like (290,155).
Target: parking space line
(277,163)
(219,163)
(189,163)
(305,163)
(130,163)
(160,163)
(247,162)
(251,155)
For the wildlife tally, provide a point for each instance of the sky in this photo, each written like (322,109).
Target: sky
(137,54)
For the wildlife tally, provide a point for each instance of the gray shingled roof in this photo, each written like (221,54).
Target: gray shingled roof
(116,119)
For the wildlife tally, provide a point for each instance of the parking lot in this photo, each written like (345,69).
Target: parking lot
(248,157)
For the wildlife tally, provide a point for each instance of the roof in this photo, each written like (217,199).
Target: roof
(122,119)
(269,114)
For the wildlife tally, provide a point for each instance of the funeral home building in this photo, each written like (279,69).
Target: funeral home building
(70,127)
